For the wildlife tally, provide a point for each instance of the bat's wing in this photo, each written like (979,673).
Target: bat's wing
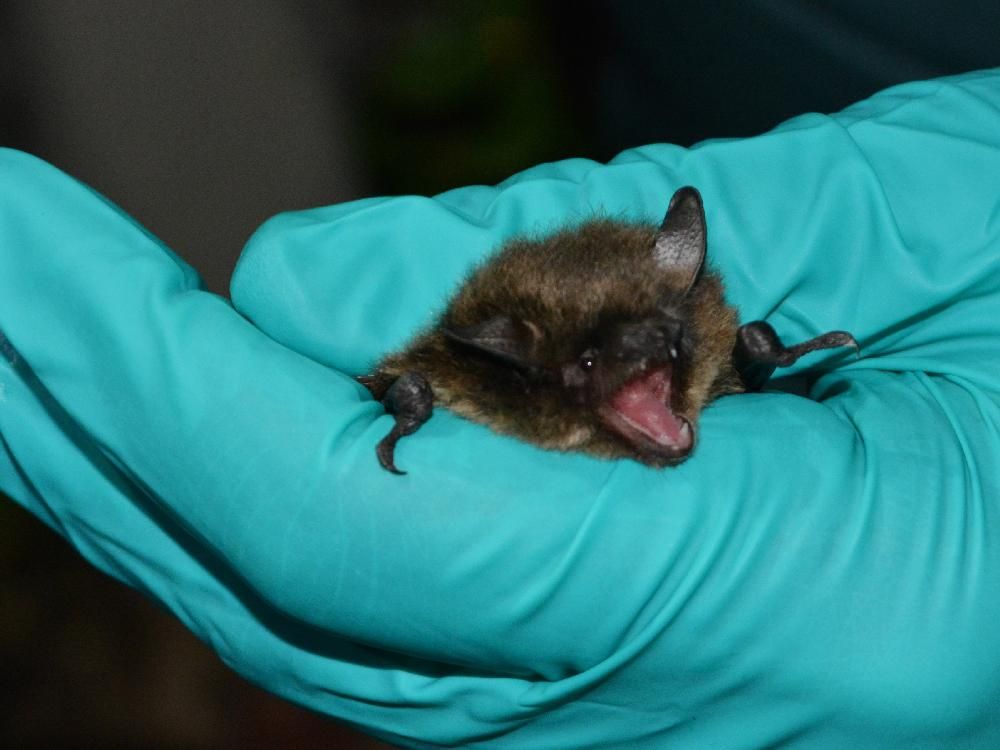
(759,351)
(409,399)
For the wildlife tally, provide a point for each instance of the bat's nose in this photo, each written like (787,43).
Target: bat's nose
(647,338)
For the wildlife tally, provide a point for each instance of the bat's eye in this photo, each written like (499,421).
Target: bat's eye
(587,360)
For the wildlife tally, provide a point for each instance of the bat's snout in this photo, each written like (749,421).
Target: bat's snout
(656,340)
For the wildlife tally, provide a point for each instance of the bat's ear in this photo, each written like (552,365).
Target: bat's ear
(508,339)
(679,244)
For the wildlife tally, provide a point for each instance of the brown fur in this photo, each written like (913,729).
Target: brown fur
(565,286)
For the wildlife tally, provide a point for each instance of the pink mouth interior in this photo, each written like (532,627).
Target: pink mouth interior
(641,408)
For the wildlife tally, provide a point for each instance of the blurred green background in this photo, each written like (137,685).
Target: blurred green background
(203,119)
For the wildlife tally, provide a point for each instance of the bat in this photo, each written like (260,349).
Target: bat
(607,338)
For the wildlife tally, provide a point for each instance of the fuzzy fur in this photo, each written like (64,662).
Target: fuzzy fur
(566,287)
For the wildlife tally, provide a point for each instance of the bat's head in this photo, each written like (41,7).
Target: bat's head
(608,338)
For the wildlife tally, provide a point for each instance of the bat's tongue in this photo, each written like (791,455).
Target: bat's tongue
(643,403)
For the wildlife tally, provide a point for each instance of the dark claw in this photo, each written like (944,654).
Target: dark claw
(759,351)
(385,451)
(410,400)
(830,340)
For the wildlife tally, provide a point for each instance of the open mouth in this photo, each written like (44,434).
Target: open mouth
(640,412)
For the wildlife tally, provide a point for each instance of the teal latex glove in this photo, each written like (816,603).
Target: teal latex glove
(824,573)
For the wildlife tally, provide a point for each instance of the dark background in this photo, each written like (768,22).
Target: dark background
(203,119)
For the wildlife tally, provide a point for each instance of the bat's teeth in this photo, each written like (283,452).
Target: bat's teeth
(673,352)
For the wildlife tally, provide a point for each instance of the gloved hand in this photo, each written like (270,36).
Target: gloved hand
(823,573)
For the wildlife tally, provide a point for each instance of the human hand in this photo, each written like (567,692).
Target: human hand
(819,573)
